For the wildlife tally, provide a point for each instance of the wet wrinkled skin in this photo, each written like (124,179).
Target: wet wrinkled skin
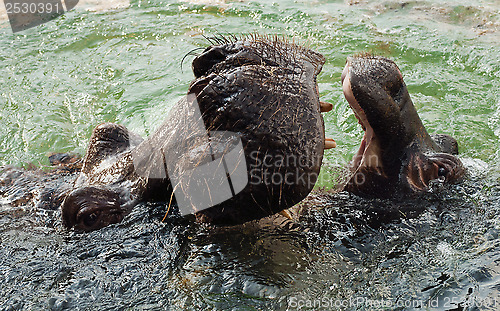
(397,156)
(264,90)
(268,93)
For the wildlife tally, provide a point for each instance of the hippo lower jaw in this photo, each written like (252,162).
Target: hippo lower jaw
(369,152)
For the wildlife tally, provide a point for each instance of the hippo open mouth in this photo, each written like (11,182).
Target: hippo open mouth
(369,149)
(396,154)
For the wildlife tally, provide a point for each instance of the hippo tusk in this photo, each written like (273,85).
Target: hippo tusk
(325,107)
(330,143)
(286,214)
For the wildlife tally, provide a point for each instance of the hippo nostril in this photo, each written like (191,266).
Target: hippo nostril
(207,60)
(442,172)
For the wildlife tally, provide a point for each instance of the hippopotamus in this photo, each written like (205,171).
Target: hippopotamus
(397,157)
(264,91)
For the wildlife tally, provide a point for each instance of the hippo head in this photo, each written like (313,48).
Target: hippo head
(396,155)
(264,89)
(91,208)
(104,192)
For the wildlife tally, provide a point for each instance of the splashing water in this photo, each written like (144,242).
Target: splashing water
(123,65)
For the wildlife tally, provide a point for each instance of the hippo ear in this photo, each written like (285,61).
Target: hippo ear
(108,139)
(421,169)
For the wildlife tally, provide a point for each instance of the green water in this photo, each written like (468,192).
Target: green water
(61,79)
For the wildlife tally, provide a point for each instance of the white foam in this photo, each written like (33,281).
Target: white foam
(102,5)
(206,2)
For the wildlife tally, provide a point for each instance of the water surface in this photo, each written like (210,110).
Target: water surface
(61,79)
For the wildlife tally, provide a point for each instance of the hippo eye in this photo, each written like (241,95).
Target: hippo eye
(442,172)
(90,219)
